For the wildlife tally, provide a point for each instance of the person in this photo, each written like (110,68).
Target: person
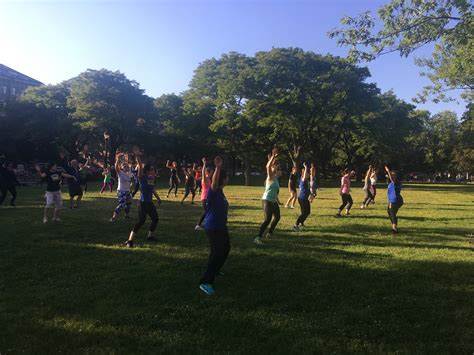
(136,184)
(207,173)
(373,182)
(53,189)
(146,176)
(174,178)
(9,182)
(74,184)
(270,198)
(292,185)
(367,190)
(312,183)
(198,179)
(215,225)
(345,192)
(395,199)
(303,199)
(189,185)
(124,195)
(107,174)
(83,170)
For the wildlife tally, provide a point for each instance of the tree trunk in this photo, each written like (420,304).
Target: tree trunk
(247,171)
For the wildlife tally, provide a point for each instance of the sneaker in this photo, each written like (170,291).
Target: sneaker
(292,207)
(347,213)
(338,215)
(128,243)
(295,228)
(198,228)
(57,219)
(394,231)
(301,227)
(258,241)
(207,289)
(45,220)
(362,207)
(112,219)
(268,235)
(151,239)
(286,206)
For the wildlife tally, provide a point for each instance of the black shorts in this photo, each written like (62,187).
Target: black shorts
(75,190)
(293,188)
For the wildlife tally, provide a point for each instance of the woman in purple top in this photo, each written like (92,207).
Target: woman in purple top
(345,192)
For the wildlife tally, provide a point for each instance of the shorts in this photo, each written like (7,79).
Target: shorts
(54,197)
(75,190)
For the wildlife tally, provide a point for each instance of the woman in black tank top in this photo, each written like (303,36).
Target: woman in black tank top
(174,178)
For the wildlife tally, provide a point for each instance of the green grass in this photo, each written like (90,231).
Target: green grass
(342,285)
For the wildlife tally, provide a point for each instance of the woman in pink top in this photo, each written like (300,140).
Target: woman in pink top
(206,185)
(345,192)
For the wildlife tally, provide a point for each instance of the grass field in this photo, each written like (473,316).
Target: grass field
(342,285)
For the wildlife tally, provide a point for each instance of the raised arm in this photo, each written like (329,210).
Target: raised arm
(305,174)
(217,173)
(169,165)
(390,174)
(139,166)
(118,159)
(270,162)
(203,168)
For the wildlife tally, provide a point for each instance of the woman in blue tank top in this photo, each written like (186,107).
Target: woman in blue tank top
(270,198)
(215,225)
(395,199)
(303,199)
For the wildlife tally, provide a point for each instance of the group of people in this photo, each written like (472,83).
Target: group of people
(208,180)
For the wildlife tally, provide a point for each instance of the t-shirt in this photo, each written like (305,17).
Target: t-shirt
(108,178)
(345,185)
(216,210)
(271,190)
(304,189)
(124,179)
(74,172)
(394,193)
(53,179)
(147,185)
(206,185)
(197,174)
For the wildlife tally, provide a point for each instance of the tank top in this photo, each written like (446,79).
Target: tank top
(271,190)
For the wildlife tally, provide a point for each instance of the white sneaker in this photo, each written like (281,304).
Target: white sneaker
(57,219)
(292,207)
(295,228)
(362,207)
(300,227)
(198,228)
(258,241)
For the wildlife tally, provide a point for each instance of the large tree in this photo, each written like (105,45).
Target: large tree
(403,26)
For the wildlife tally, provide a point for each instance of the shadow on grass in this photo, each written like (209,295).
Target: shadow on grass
(97,298)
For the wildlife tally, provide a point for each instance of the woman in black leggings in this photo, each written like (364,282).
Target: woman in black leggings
(174,178)
(146,176)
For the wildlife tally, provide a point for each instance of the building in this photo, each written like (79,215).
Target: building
(12,84)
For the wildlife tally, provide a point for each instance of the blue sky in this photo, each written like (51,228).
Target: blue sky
(160,43)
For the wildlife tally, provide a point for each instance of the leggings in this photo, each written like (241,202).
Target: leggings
(346,202)
(368,196)
(305,210)
(136,188)
(12,190)
(124,201)
(392,210)
(219,250)
(173,185)
(104,185)
(204,214)
(270,209)
(189,189)
(146,208)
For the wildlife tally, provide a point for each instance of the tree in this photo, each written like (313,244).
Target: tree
(464,150)
(102,100)
(411,24)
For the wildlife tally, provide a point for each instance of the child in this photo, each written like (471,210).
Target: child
(107,180)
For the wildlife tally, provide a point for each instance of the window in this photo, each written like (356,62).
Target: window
(4,89)
(13,91)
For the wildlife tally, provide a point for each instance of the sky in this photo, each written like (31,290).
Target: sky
(160,43)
